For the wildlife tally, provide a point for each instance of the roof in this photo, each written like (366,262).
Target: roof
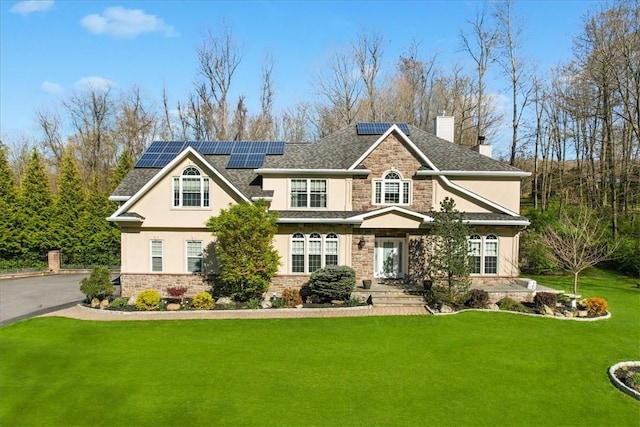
(337,151)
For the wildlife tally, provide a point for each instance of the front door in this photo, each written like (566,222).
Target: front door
(389,258)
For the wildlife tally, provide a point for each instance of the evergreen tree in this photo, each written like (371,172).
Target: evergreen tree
(9,243)
(100,239)
(449,260)
(68,209)
(34,210)
(125,164)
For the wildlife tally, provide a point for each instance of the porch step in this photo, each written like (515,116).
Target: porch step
(388,296)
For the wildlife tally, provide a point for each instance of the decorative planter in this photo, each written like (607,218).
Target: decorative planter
(366,284)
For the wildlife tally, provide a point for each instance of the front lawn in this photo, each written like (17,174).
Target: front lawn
(473,368)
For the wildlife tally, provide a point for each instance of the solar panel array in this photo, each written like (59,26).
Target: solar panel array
(378,128)
(242,154)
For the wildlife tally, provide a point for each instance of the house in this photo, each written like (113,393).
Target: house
(357,197)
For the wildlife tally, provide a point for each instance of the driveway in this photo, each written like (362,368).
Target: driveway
(31,296)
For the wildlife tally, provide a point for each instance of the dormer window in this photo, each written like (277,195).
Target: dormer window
(391,190)
(191,189)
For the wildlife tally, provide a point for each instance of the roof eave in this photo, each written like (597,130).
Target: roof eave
(294,171)
(514,174)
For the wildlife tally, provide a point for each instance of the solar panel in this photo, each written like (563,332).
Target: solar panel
(147,160)
(258,147)
(174,147)
(156,147)
(275,147)
(255,161)
(378,128)
(237,161)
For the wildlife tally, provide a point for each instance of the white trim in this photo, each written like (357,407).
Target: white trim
(306,240)
(383,181)
(379,250)
(308,193)
(169,167)
(518,174)
(524,223)
(430,164)
(394,208)
(124,219)
(265,198)
(300,171)
(119,198)
(186,256)
(151,255)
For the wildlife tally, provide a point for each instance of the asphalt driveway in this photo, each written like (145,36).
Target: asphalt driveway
(31,296)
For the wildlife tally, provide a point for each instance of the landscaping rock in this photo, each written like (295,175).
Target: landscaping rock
(266,304)
(558,314)
(494,307)
(568,313)
(337,302)
(446,309)
(174,306)
(547,311)
(132,301)
(95,302)
(224,300)
(104,303)
(582,313)
(299,306)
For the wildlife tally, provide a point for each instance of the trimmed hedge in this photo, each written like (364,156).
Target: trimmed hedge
(334,282)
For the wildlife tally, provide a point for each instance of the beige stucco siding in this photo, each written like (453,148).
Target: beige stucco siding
(136,249)
(464,203)
(156,205)
(338,192)
(508,241)
(505,192)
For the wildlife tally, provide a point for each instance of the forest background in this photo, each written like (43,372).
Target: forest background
(575,127)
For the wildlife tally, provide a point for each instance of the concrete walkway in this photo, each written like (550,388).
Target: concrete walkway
(86,313)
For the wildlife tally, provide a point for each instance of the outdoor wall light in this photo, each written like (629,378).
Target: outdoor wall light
(361,243)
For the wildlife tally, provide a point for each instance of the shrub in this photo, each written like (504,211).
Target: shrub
(276,302)
(177,292)
(231,305)
(595,306)
(334,282)
(202,301)
(291,297)
(478,299)
(119,303)
(148,300)
(354,302)
(98,284)
(254,303)
(545,298)
(509,304)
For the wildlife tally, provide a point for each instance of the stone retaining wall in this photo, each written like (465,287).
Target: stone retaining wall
(131,284)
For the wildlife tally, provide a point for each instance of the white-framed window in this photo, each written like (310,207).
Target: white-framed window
(308,193)
(191,189)
(484,254)
(391,190)
(156,256)
(313,251)
(194,256)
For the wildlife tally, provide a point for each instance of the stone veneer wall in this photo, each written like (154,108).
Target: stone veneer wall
(132,284)
(362,259)
(279,283)
(391,154)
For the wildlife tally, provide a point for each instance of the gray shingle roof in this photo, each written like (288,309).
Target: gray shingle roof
(336,151)
(471,216)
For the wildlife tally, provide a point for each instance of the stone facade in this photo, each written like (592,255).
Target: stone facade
(362,254)
(281,282)
(391,154)
(132,284)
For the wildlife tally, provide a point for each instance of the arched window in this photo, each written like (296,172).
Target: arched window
(491,254)
(313,251)
(475,251)
(297,253)
(191,189)
(484,254)
(391,190)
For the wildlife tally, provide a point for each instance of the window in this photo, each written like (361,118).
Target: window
(312,252)
(308,193)
(391,190)
(156,255)
(194,256)
(191,189)
(484,254)
(297,253)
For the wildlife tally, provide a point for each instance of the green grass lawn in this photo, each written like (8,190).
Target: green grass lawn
(472,368)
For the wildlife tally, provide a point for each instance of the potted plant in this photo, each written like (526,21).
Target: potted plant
(366,283)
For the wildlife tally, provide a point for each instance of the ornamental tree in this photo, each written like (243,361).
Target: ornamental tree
(449,266)
(244,248)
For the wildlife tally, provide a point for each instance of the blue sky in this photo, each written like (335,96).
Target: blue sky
(51,49)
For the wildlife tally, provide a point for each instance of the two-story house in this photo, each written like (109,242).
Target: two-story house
(356,197)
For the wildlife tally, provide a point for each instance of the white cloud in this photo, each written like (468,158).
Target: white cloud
(120,22)
(96,83)
(30,6)
(50,87)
